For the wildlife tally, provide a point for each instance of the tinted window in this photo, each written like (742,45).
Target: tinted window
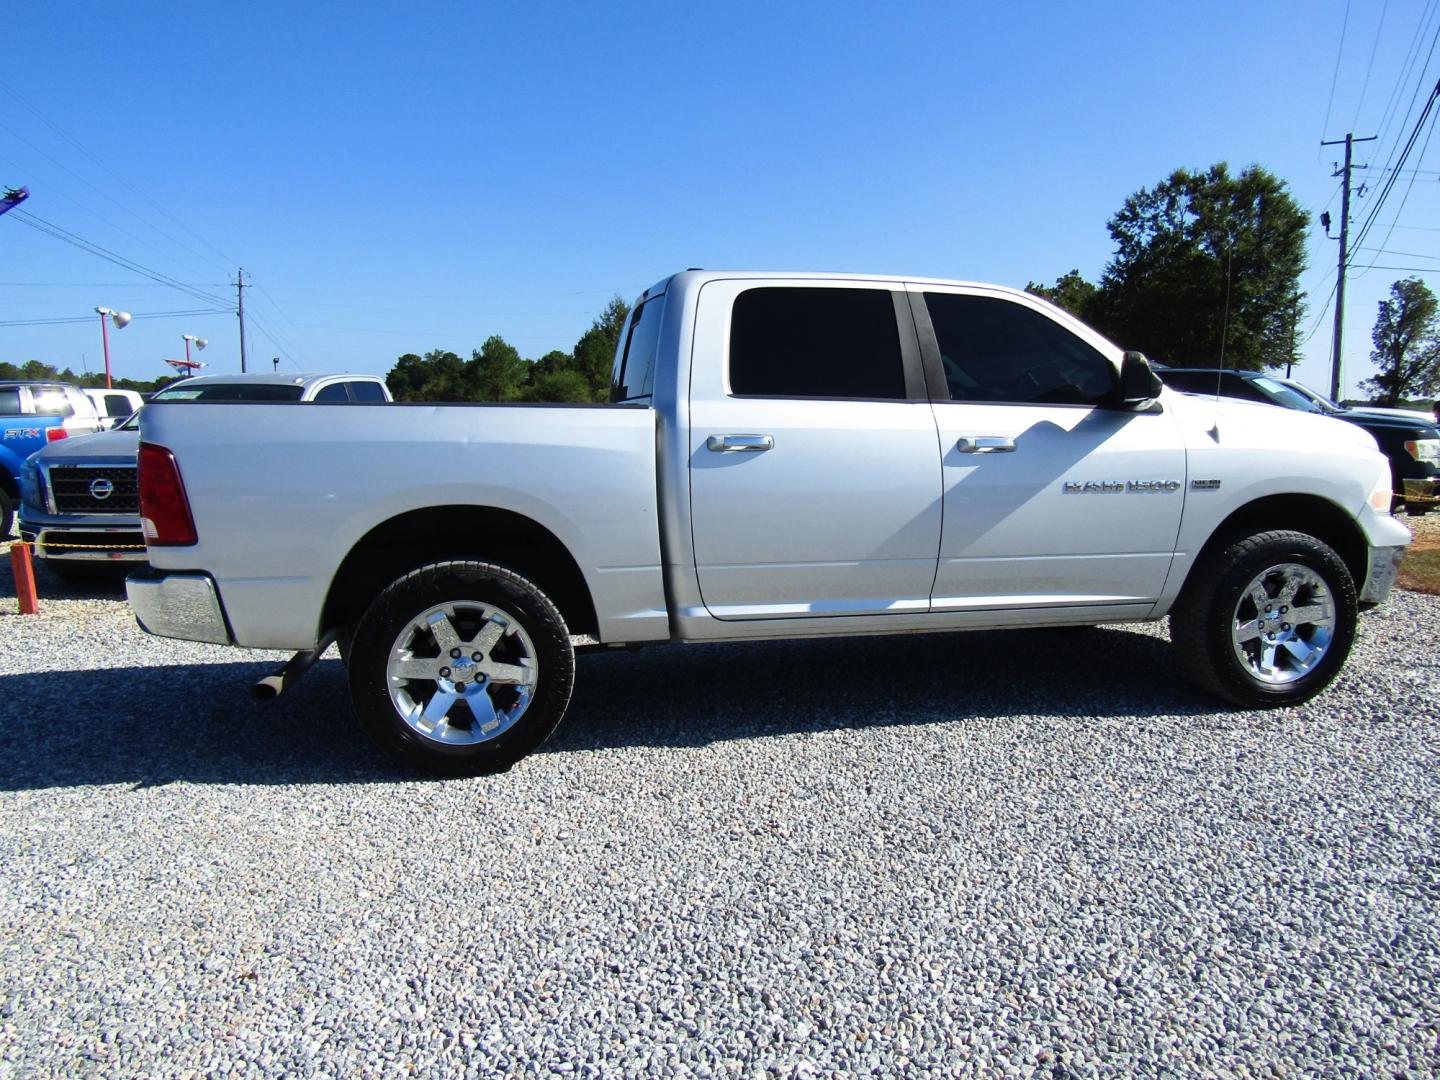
(230,392)
(9,401)
(996,350)
(51,401)
(367,391)
(333,392)
(636,371)
(1280,394)
(1212,383)
(117,405)
(837,343)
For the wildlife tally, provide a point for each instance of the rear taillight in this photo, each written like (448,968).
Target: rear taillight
(164,509)
(55,434)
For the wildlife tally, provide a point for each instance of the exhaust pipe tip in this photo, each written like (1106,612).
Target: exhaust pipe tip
(268,688)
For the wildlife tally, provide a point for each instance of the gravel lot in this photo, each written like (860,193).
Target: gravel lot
(1018,853)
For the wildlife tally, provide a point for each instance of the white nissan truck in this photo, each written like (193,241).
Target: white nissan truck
(783,455)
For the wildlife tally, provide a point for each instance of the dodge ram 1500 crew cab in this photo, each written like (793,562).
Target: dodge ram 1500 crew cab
(784,455)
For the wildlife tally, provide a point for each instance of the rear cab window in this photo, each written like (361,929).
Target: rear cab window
(364,390)
(10,401)
(635,371)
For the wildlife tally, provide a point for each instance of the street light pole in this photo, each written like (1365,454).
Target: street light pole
(200,343)
(121,320)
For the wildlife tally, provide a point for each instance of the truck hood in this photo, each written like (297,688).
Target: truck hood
(1234,423)
(119,446)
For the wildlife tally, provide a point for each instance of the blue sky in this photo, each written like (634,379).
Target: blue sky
(398,178)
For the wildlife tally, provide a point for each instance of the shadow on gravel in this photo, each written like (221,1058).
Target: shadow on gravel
(151,726)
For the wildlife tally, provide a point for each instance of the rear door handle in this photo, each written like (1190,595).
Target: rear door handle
(735,444)
(985,444)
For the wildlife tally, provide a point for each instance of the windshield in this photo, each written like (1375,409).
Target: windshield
(1284,395)
(1314,395)
(230,392)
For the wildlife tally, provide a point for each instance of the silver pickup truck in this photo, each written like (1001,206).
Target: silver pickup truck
(784,455)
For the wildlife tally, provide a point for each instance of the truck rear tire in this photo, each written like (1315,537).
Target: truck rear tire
(7,513)
(460,668)
(1266,620)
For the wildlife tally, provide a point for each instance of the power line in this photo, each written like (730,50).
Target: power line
(1407,69)
(75,240)
(1406,254)
(1365,86)
(1412,269)
(79,145)
(91,318)
(102,285)
(1335,77)
(1395,175)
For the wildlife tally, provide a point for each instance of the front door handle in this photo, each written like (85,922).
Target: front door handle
(985,444)
(735,444)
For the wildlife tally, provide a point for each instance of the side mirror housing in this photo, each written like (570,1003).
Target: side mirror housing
(1139,385)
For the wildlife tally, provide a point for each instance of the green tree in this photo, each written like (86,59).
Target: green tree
(439,375)
(1206,264)
(595,351)
(562,385)
(1407,344)
(1070,291)
(496,371)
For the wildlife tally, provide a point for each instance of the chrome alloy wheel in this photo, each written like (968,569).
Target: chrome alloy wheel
(1283,624)
(462,673)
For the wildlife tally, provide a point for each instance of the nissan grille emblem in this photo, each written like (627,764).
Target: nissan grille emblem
(101,489)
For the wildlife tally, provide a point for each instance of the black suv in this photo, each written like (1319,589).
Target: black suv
(1411,443)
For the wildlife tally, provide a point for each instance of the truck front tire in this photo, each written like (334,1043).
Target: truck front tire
(1266,620)
(460,668)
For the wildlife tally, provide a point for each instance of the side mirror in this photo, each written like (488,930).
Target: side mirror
(1139,385)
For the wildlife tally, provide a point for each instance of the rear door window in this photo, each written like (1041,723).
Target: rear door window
(10,401)
(815,343)
(117,405)
(997,350)
(331,394)
(367,391)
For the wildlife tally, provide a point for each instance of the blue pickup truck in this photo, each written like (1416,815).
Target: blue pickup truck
(32,415)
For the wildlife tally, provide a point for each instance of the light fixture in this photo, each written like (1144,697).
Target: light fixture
(121,319)
(200,343)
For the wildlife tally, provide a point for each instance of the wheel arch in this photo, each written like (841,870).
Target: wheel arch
(1311,514)
(491,534)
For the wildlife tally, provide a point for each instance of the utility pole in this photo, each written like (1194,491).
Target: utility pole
(240,305)
(1349,142)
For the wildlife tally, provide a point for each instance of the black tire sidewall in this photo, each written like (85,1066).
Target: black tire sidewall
(443,583)
(1238,566)
(7,514)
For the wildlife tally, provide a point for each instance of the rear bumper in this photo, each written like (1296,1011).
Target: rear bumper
(185,606)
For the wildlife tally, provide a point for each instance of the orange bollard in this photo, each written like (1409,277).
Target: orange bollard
(24,572)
